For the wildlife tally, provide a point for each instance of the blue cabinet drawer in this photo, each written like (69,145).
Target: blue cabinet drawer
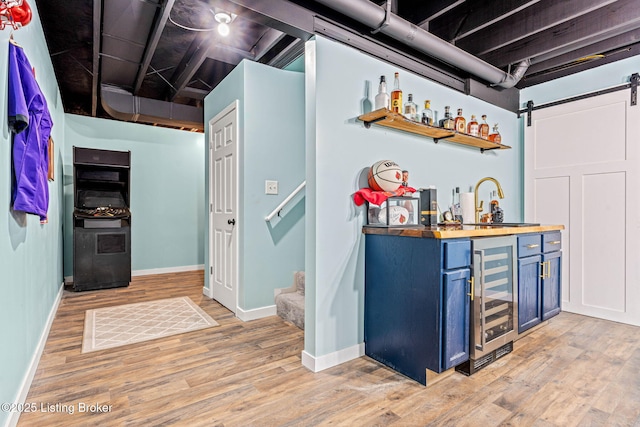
(529,244)
(551,242)
(456,254)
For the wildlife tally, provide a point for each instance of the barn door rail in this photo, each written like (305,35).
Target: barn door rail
(277,210)
(633,84)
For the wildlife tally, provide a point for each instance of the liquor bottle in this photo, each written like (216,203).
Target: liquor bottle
(396,95)
(427,114)
(483,131)
(446,113)
(411,109)
(495,136)
(382,98)
(472,127)
(460,122)
(448,122)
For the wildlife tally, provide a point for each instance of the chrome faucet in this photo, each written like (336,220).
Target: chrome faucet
(475,194)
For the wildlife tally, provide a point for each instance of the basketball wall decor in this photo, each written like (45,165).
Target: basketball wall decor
(385,175)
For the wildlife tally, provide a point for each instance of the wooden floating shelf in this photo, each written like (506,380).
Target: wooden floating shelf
(386,118)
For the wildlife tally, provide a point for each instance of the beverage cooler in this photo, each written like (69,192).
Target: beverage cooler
(494,306)
(101,219)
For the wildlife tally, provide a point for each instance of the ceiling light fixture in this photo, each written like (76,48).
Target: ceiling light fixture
(223,19)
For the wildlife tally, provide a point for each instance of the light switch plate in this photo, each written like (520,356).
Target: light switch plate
(271,187)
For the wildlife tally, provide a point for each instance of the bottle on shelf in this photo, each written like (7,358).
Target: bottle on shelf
(427,113)
(495,136)
(411,109)
(483,129)
(447,122)
(396,95)
(382,98)
(460,122)
(473,128)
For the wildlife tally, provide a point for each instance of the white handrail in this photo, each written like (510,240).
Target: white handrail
(277,210)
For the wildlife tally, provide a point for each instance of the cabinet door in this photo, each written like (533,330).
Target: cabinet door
(529,296)
(551,284)
(455,317)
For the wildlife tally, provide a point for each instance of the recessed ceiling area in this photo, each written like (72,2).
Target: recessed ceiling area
(154,61)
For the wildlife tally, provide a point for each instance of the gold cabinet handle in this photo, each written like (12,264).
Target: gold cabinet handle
(554,242)
(542,273)
(532,246)
(548,269)
(472,288)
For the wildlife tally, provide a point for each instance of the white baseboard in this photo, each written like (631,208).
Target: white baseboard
(256,313)
(207,292)
(179,269)
(35,359)
(317,364)
(166,270)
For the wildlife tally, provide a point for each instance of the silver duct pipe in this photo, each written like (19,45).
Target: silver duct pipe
(122,105)
(404,31)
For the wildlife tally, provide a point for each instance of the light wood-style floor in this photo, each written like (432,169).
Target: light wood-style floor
(574,371)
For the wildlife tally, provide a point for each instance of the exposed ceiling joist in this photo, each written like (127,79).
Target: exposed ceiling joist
(427,11)
(539,17)
(95,75)
(467,18)
(605,47)
(191,61)
(268,40)
(154,38)
(621,16)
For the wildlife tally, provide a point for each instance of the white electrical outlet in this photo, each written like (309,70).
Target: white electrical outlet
(271,187)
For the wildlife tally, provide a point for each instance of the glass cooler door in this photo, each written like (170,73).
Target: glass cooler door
(495,307)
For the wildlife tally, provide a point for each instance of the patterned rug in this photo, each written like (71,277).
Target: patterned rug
(132,323)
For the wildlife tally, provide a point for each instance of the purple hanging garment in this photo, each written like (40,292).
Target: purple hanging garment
(30,120)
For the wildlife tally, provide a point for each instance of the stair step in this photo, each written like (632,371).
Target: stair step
(290,303)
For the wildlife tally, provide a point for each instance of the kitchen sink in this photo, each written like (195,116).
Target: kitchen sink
(504,224)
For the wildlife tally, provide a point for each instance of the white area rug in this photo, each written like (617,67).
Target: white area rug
(131,323)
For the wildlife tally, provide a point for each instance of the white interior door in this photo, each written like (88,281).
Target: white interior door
(581,170)
(223,217)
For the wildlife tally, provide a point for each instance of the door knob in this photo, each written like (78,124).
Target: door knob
(231,221)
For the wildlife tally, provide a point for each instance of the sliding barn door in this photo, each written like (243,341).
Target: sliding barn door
(581,170)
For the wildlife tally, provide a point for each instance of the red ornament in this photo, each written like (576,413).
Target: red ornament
(15,13)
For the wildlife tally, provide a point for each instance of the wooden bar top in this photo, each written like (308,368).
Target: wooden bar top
(456,230)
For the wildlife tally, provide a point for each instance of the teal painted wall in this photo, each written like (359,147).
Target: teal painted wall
(167,189)
(30,253)
(339,148)
(296,65)
(271,148)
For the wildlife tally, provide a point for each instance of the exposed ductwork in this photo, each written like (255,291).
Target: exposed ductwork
(122,105)
(381,20)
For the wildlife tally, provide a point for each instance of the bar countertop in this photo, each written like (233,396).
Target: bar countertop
(452,231)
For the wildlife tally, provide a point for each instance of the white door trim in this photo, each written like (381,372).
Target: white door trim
(235,105)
